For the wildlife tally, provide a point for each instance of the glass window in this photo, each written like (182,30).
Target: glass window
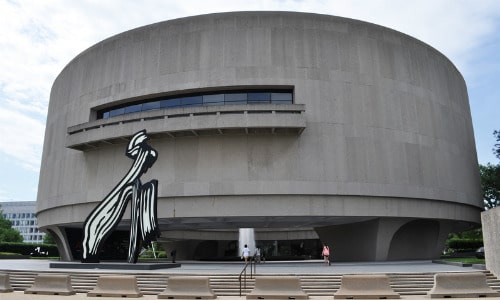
(176,102)
(239,98)
(116,112)
(192,101)
(133,108)
(230,97)
(150,105)
(217,99)
(259,97)
(281,98)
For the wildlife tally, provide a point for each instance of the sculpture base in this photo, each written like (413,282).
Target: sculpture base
(113,265)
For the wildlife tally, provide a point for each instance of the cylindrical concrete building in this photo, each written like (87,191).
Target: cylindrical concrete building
(309,128)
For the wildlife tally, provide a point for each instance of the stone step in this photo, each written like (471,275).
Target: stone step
(229,285)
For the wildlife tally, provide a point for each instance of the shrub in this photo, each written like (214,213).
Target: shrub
(464,245)
(28,249)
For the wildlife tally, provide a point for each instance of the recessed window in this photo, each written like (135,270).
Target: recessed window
(279,98)
(116,112)
(151,105)
(274,96)
(133,108)
(170,103)
(217,99)
(192,101)
(259,97)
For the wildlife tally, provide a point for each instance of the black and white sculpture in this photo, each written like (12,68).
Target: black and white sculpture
(143,221)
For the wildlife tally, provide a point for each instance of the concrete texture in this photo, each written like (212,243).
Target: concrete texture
(277,287)
(383,146)
(453,285)
(21,296)
(285,268)
(491,232)
(373,286)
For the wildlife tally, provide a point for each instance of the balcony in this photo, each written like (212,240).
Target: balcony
(284,119)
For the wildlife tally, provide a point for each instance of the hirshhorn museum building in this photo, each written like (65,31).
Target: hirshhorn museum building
(309,128)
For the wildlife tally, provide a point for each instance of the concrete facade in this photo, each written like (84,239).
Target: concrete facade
(491,230)
(376,149)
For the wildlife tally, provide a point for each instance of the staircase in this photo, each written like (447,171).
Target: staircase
(228,285)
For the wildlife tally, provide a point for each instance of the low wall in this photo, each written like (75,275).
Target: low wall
(491,231)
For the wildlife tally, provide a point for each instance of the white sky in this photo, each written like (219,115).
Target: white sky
(39,37)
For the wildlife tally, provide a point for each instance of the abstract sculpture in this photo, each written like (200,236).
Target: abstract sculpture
(143,221)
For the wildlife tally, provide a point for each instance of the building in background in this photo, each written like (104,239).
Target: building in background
(22,216)
(308,128)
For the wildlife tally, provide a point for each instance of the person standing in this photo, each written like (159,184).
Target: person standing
(257,255)
(173,253)
(245,253)
(326,254)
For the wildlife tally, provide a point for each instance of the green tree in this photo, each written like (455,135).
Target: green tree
(48,239)
(490,185)
(496,150)
(7,233)
(490,178)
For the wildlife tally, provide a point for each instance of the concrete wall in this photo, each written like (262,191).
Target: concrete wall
(491,232)
(388,130)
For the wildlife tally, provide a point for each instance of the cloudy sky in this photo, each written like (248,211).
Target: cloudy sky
(39,37)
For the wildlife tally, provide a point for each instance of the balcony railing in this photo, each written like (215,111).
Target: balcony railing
(286,119)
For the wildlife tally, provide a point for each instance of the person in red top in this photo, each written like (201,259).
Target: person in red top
(326,254)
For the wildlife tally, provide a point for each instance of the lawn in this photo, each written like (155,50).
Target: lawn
(467,260)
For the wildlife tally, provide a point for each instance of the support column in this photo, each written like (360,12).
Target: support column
(351,242)
(61,242)
(386,230)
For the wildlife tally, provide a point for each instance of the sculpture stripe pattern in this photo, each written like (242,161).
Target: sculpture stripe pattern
(105,217)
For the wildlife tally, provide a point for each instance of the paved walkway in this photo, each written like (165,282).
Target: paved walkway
(287,267)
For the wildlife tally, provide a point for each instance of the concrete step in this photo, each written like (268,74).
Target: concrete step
(228,284)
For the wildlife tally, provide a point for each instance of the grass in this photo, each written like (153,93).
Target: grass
(9,253)
(467,260)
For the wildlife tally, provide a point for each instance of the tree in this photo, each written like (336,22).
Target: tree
(7,233)
(49,239)
(496,150)
(490,178)
(490,185)
(10,235)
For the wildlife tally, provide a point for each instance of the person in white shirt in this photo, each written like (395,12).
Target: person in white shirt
(246,253)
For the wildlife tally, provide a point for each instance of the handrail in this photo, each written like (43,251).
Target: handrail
(253,270)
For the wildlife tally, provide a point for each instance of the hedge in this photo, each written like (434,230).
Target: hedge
(27,249)
(464,245)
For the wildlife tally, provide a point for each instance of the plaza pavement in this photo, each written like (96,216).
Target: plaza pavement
(282,267)
(285,268)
